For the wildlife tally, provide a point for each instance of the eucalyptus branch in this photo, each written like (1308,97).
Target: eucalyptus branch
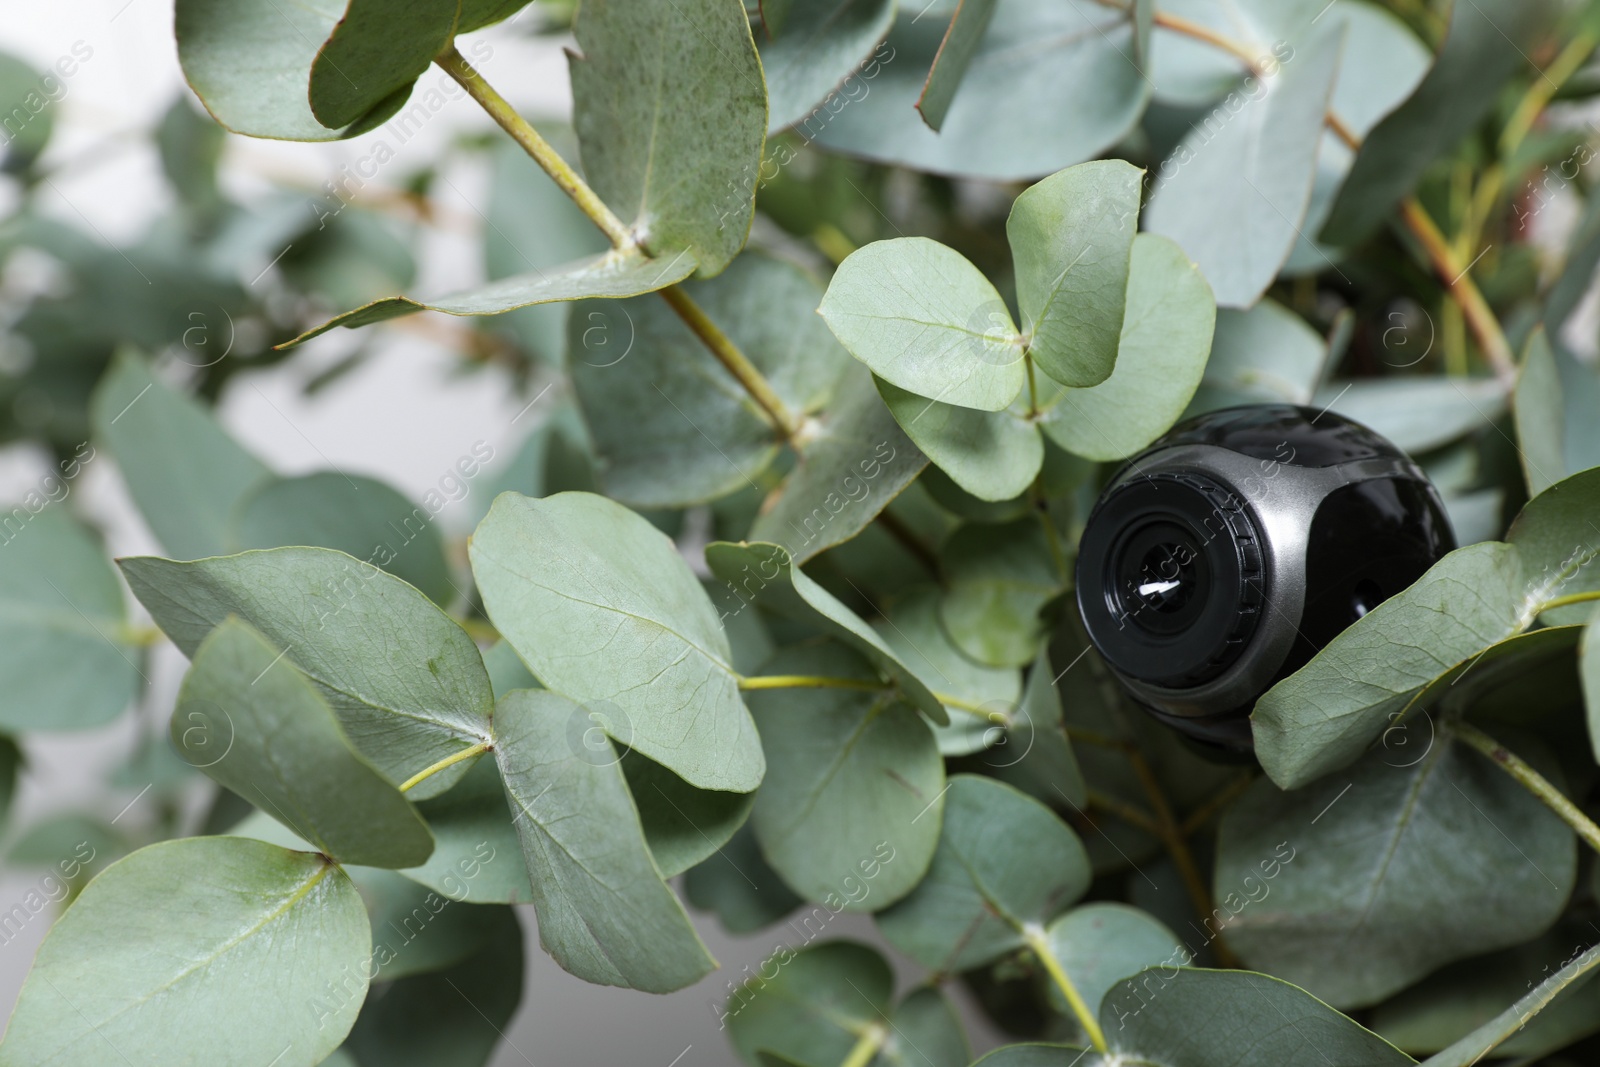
(1128,813)
(1468,297)
(1480,317)
(1207,811)
(1533,781)
(621,238)
(1035,937)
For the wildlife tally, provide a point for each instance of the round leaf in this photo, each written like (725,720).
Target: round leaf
(272,952)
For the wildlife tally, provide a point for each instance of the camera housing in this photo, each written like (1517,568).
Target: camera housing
(1224,556)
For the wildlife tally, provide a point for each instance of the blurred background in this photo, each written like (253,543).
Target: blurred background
(125,167)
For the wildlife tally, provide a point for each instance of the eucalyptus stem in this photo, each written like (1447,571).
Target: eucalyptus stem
(1532,781)
(808,681)
(1570,598)
(479,629)
(621,238)
(1238,49)
(522,132)
(737,363)
(449,761)
(1447,265)
(1035,937)
(1128,813)
(866,1046)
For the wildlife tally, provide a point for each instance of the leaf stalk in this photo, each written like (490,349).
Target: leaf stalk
(449,761)
(1532,781)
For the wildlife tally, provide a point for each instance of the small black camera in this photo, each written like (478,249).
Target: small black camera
(1224,556)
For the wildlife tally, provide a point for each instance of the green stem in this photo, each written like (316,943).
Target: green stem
(808,681)
(1532,781)
(621,238)
(449,761)
(1124,811)
(521,131)
(866,1046)
(736,362)
(140,636)
(1035,937)
(1570,598)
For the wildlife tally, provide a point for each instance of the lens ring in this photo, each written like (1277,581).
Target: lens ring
(1170,578)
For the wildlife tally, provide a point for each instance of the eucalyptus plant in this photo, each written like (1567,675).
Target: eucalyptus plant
(848,311)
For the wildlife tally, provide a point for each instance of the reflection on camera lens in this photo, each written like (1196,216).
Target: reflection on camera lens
(1166,577)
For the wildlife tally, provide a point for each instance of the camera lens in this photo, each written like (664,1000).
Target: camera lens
(1178,561)
(1162,578)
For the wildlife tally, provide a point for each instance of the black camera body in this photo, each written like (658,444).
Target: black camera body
(1224,556)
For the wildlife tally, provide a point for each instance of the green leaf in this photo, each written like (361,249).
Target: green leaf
(1381,65)
(978,697)
(531,225)
(1417,413)
(764,572)
(379,47)
(1034,754)
(994,455)
(671,426)
(739,886)
(477,857)
(1008,122)
(1537,405)
(1487,42)
(183,470)
(1266,354)
(406,682)
(476,14)
(1577,972)
(605,914)
(813,1005)
(1325,714)
(1183,1016)
(1071,239)
(850,809)
(1188,71)
(1166,336)
(924,1031)
(922,317)
(683,825)
(1397,867)
(819,57)
(416,930)
(855,463)
(1004,860)
(1452,1003)
(266,734)
(117,977)
(671,113)
(1236,189)
(955,54)
(601,607)
(65,653)
(1406,651)
(359,516)
(21,91)
(610,274)
(251,66)
(997,581)
(439,1018)
(1099,945)
(1589,672)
